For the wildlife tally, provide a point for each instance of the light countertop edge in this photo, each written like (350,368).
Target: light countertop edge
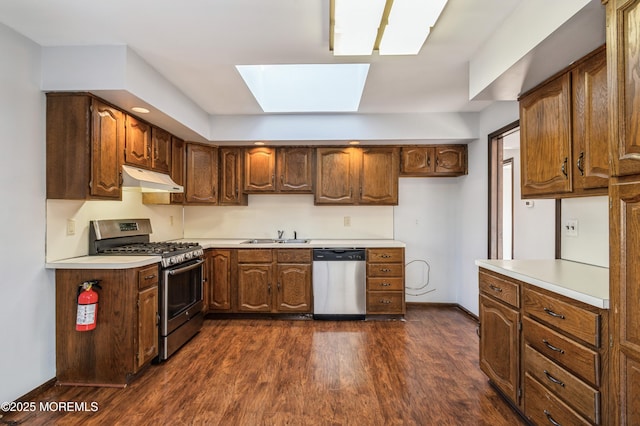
(578,281)
(103,262)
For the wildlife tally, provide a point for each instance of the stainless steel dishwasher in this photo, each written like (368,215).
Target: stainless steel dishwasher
(339,284)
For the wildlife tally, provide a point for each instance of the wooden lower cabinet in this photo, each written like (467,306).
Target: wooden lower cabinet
(385,281)
(274,280)
(125,339)
(218,280)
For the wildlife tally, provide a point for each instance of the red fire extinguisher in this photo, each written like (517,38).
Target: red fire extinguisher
(87,314)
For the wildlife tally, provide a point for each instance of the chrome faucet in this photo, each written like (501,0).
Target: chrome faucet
(280,234)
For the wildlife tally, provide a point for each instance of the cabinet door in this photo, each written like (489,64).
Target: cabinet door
(178,156)
(625,301)
(499,346)
(231,181)
(202,174)
(591,124)
(623,47)
(294,288)
(451,160)
(138,143)
(295,170)
(260,170)
(417,160)
(161,150)
(336,175)
(379,176)
(219,280)
(254,287)
(545,139)
(107,140)
(147,325)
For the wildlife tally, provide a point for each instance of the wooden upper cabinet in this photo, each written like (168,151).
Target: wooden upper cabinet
(451,160)
(177,173)
(545,139)
(160,150)
(230,187)
(295,169)
(85,141)
(138,143)
(623,19)
(591,125)
(430,160)
(379,169)
(336,175)
(260,170)
(201,185)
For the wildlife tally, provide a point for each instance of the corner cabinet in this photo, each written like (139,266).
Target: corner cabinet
(362,176)
(125,339)
(564,132)
(85,142)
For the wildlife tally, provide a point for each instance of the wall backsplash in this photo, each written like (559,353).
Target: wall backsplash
(166,222)
(592,243)
(266,214)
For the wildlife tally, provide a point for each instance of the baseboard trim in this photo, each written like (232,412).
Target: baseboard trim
(32,394)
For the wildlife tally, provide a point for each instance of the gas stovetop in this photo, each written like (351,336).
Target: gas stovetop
(130,237)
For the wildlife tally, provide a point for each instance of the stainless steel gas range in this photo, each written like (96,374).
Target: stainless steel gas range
(181,274)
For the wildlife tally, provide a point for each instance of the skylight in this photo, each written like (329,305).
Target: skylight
(306,87)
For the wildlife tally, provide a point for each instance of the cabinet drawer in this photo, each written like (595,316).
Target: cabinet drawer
(255,256)
(148,277)
(382,302)
(385,255)
(385,284)
(543,408)
(573,356)
(506,291)
(578,322)
(582,397)
(385,270)
(294,255)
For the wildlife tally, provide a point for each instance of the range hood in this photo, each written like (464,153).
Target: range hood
(148,181)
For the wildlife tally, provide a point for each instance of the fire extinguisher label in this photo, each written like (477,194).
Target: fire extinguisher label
(86,314)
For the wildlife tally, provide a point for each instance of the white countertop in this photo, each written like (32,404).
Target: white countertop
(579,281)
(125,262)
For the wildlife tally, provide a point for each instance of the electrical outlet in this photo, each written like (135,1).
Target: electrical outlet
(347,221)
(71,227)
(571,228)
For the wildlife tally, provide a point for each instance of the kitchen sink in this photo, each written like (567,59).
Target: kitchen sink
(275,241)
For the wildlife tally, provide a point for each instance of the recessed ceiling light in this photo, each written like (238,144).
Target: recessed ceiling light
(140,110)
(258,143)
(354,143)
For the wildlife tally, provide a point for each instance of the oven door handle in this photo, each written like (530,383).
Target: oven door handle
(186,268)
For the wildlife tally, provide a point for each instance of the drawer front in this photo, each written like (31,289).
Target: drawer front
(576,393)
(382,302)
(385,284)
(542,407)
(385,255)
(506,291)
(294,255)
(575,357)
(385,270)
(255,255)
(148,277)
(578,322)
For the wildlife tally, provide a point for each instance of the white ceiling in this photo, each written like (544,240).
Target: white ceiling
(196,44)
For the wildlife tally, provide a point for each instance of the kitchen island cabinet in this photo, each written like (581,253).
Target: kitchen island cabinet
(85,143)
(125,339)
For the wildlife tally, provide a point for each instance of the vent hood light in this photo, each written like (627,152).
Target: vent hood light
(148,181)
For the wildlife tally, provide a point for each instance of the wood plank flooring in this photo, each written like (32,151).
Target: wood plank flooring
(421,371)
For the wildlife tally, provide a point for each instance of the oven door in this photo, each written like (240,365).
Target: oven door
(181,295)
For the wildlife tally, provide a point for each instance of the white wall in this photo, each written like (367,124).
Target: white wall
(27,292)
(472,242)
(166,221)
(266,214)
(592,243)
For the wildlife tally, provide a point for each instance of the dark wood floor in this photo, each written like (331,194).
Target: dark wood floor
(422,371)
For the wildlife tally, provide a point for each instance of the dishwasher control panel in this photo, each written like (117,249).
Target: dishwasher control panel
(338,254)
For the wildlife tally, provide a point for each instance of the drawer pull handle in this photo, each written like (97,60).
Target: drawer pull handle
(385,256)
(385,284)
(150,277)
(385,301)
(551,420)
(553,348)
(553,379)
(494,288)
(385,270)
(553,314)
